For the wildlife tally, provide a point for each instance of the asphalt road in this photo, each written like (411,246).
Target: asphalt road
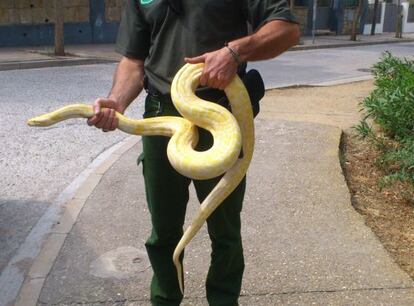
(37,164)
(323,65)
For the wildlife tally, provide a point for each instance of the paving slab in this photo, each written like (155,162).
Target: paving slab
(304,243)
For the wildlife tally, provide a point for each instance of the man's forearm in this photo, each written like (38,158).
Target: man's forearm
(128,82)
(269,41)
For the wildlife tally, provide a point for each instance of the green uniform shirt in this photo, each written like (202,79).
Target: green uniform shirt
(152,31)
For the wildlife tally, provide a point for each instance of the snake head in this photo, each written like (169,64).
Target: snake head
(40,121)
(66,112)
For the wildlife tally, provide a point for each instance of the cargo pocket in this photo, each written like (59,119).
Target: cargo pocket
(152,107)
(140,159)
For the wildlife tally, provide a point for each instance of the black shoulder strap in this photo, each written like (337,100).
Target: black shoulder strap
(176,6)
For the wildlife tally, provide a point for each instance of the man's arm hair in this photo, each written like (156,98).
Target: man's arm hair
(128,81)
(270,40)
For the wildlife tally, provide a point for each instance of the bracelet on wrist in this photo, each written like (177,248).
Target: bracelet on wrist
(234,54)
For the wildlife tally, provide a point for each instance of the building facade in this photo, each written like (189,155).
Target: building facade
(337,16)
(30,22)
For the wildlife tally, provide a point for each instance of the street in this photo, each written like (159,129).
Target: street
(324,65)
(38,163)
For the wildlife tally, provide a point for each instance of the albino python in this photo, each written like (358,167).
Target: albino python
(231,133)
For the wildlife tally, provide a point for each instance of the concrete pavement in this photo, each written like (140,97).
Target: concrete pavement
(38,57)
(304,243)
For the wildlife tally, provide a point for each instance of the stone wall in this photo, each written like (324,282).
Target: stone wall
(25,12)
(301,14)
(113,9)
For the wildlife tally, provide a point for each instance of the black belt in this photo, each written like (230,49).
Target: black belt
(252,80)
(206,93)
(210,94)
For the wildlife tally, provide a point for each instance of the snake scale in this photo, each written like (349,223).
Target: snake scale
(232,132)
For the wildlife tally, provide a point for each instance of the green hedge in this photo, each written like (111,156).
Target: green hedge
(391,106)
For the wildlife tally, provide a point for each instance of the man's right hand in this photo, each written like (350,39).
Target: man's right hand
(127,84)
(104,118)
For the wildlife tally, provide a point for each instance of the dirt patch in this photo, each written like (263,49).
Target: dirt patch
(388,211)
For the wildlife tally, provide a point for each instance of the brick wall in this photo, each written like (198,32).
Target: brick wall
(25,12)
(301,14)
(113,9)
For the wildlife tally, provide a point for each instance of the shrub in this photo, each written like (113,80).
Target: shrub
(391,106)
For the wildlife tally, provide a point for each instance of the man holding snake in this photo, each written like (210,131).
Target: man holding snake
(156,37)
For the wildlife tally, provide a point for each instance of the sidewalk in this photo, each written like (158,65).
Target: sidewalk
(304,243)
(41,57)
(331,41)
(38,57)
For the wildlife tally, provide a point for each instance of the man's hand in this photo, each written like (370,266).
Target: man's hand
(220,68)
(128,83)
(105,118)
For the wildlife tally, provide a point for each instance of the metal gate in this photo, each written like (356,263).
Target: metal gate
(390,17)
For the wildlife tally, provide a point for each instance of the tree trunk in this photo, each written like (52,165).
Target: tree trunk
(374,18)
(292,5)
(314,13)
(355,22)
(398,29)
(59,20)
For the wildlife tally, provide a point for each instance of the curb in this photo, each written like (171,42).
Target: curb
(326,83)
(53,63)
(345,81)
(349,44)
(42,264)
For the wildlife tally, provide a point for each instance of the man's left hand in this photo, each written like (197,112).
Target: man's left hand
(219,69)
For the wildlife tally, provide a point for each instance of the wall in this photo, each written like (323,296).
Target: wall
(349,14)
(323,18)
(407,27)
(301,14)
(21,12)
(31,21)
(113,9)
(379,26)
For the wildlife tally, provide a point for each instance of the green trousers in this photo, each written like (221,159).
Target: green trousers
(167,196)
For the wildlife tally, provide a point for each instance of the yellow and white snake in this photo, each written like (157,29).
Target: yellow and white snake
(232,132)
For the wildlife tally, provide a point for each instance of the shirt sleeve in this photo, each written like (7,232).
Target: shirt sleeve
(259,12)
(133,35)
